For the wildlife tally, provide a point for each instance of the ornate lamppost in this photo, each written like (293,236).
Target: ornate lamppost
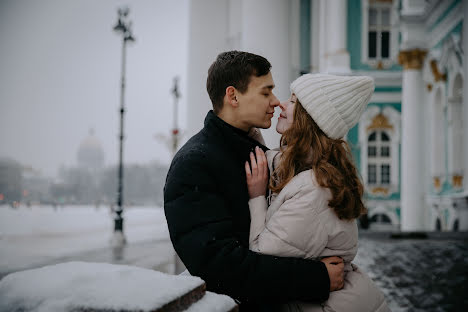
(123,27)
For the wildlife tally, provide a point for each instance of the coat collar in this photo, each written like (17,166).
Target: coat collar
(237,139)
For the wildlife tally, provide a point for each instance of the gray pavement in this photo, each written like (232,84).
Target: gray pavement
(418,274)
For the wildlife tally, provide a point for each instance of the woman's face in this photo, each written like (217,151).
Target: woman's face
(286,117)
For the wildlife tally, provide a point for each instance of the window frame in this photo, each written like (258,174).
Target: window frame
(379,28)
(378,160)
(392,28)
(365,128)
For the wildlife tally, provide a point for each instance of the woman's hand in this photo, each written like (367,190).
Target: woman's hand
(257,178)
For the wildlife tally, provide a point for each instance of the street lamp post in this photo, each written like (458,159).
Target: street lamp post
(123,26)
(175,129)
(172,142)
(178,264)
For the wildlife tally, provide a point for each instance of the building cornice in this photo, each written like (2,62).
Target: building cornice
(420,14)
(389,202)
(446,25)
(437,9)
(382,78)
(386,97)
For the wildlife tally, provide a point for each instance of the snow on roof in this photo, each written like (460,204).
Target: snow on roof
(72,285)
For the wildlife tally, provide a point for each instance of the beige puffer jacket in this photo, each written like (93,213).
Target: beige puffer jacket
(299,223)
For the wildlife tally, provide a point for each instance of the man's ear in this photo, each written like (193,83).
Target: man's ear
(231,96)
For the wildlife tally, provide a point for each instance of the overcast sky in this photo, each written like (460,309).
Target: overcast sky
(60,76)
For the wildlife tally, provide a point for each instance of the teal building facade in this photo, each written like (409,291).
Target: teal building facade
(411,144)
(376,47)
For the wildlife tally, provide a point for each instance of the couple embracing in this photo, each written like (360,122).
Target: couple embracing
(274,229)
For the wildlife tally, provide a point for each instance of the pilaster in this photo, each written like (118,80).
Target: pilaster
(200,56)
(266,31)
(337,55)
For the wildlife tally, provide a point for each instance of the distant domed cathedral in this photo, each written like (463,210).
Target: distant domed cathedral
(90,154)
(411,145)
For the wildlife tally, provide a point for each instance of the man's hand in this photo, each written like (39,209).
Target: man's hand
(257,178)
(335,268)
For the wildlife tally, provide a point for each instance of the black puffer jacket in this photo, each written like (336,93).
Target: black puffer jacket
(206,207)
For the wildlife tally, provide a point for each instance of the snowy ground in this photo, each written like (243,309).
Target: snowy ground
(415,275)
(30,237)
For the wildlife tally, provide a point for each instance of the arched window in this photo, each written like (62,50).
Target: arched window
(379,159)
(379,139)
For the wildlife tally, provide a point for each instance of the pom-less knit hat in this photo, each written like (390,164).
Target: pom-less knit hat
(335,103)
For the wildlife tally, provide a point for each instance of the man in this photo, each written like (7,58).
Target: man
(206,197)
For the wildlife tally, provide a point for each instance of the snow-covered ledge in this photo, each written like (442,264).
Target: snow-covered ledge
(84,286)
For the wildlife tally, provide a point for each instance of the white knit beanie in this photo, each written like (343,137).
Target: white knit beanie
(335,103)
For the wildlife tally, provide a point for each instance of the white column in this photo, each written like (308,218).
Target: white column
(465,95)
(315,35)
(463,211)
(207,38)
(412,171)
(322,30)
(266,31)
(337,53)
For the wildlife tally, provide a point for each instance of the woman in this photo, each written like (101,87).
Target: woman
(315,194)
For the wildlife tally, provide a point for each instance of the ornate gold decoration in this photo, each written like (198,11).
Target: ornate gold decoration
(412,59)
(437,183)
(380,190)
(380,65)
(438,76)
(379,122)
(429,87)
(457,180)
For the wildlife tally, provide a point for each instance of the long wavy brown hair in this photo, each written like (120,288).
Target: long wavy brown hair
(305,146)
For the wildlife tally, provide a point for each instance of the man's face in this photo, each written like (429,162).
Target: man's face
(257,104)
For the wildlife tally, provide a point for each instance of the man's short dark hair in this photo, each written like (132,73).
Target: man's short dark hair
(233,68)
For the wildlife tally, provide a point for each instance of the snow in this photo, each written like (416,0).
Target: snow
(98,286)
(213,302)
(30,236)
(33,236)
